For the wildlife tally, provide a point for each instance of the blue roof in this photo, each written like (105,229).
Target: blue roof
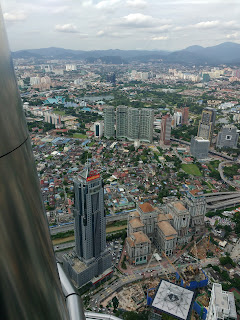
(86,109)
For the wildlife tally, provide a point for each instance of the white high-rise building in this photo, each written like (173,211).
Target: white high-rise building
(98,129)
(222,304)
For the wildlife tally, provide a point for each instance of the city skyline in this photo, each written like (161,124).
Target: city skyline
(128,24)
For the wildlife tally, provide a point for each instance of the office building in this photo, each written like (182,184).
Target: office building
(206,124)
(98,129)
(222,304)
(109,122)
(199,148)
(92,257)
(166,124)
(228,137)
(185,115)
(122,122)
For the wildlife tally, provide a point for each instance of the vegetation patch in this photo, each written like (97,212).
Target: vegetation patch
(192,169)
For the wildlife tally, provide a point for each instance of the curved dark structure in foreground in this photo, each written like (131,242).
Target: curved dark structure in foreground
(30,287)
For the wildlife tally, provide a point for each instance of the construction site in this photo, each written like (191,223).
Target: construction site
(205,248)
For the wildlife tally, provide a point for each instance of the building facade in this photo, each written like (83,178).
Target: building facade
(165,135)
(98,129)
(222,304)
(174,224)
(138,247)
(199,148)
(122,122)
(228,137)
(109,122)
(195,202)
(207,123)
(181,220)
(92,257)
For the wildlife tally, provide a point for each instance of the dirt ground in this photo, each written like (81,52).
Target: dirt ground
(203,299)
(202,248)
(116,228)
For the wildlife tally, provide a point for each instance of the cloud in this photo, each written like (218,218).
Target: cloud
(107,4)
(60,9)
(67,28)
(207,24)
(138,20)
(140,4)
(156,38)
(101,33)
(234,35)
(15,17)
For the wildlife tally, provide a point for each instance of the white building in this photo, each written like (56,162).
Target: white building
(98,129)
(222,304)
(35,81)
(71,67)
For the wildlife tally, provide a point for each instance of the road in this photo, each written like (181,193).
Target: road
(220,169)
(63,246)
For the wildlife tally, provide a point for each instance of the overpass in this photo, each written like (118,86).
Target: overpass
(220,169)
(222,200)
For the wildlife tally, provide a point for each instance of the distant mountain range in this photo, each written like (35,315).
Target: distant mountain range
(224,53)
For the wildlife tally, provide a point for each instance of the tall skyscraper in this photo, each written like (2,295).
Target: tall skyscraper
(146,125)
(122,122)
(92,257)
(206,125)
(166,129)
(90,219)
(109,122)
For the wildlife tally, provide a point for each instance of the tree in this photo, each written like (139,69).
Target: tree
(115,303)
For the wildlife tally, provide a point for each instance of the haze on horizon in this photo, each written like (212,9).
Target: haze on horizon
(120,24)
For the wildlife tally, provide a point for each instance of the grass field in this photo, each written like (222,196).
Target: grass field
(61,113)
(191,169)
(63,240)
(79,136)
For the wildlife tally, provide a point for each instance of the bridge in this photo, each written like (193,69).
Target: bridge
(222,200)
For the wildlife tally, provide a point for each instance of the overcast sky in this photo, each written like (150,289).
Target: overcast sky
(120,24)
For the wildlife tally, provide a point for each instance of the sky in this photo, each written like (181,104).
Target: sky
(120,24)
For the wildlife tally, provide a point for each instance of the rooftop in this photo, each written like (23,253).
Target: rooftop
(179,206)
(136,223)
(146,207)
(137,238)
(167,229)
(173,299)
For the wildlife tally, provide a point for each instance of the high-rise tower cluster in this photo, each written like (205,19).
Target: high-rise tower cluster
(131,123)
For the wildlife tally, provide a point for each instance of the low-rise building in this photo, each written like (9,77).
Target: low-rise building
(138,247)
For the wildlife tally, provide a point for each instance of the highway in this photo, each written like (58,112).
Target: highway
(220,169)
